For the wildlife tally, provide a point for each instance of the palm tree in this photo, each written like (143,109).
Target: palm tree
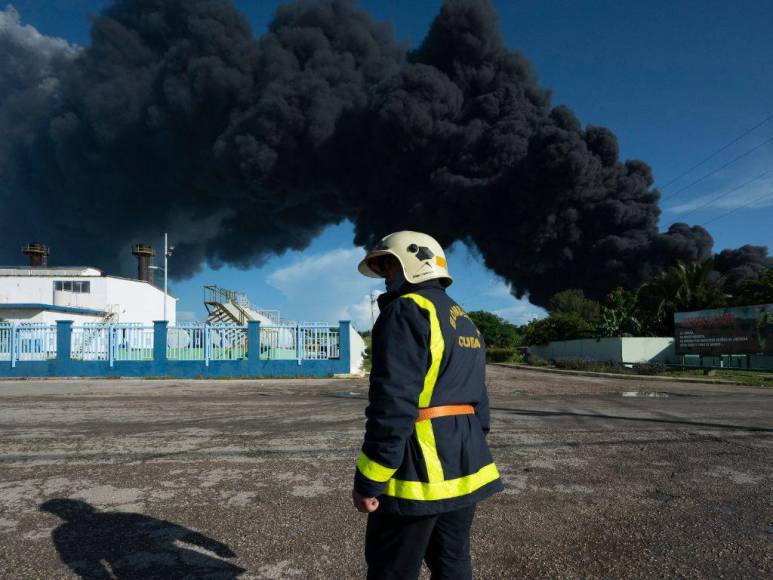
(683,287)
(620,314)
(759,291)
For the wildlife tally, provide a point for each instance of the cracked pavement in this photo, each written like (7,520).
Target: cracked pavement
(251,479)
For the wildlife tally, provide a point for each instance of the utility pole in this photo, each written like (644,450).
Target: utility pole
(167,253)
(373,301)
(166,267)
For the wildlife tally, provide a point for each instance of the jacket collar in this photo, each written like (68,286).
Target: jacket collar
(387,297)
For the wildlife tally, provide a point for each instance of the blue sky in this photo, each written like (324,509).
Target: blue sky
(676,81)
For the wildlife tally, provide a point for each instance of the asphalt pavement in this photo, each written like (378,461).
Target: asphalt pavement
(251,479)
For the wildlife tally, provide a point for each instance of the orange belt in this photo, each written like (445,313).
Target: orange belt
(444,411)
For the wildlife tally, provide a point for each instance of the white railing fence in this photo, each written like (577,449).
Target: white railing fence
(132,342)
(112,342)
(90,342)
(299,341)
(27,342)
(6,340)
(227,342)
(206,342)
(320,343)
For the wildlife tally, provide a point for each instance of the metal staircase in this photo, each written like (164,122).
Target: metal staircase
(231,307)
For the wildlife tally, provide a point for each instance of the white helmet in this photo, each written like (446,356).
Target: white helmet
(421,257)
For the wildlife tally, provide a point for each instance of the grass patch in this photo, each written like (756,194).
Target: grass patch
(745,378)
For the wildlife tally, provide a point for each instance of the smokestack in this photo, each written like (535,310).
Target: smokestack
(144,254)
(37,253)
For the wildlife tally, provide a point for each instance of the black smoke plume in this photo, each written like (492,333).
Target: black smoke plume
(177,118)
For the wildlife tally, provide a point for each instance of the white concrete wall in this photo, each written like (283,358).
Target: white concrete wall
(648,349)
(605,349)
(356,351)
(135,301)
(625,349)
(130,300)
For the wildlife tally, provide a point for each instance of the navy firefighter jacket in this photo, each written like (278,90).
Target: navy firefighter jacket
(426,353)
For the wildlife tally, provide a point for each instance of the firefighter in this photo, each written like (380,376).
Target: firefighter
(424,463)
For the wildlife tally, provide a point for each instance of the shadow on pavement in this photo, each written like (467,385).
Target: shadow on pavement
(99,545)
(534,413)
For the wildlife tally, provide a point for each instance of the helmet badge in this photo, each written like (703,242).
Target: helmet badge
(422,252)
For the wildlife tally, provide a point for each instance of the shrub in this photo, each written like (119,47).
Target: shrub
(497,332)
(574,302)
(587,364)
(558,327)
(649,368)
(536,360)
(501,355)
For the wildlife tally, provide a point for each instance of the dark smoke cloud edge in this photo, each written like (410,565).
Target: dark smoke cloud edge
(176,117)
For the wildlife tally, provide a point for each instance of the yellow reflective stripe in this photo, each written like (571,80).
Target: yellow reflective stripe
(372,469)
(426,437)
(436,347)
(424,432)
(451,488)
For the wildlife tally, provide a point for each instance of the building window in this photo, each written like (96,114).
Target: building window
(75,286)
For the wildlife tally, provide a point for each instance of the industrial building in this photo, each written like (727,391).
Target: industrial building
(41,293)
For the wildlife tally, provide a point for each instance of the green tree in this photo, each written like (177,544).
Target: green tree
(681,288)
(574,302)
(558,327)
(620,314)
(759,291)
(496,331)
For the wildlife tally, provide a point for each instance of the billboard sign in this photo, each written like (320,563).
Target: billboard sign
(740,330)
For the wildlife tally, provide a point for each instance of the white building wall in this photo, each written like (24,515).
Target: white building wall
(130,300)
(605,349)
(135,301)
(616,349)
(648,349)
(356,351)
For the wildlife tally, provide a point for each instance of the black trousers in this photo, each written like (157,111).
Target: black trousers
(396,545)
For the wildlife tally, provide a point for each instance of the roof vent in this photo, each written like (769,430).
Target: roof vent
(37,254)
(144,253)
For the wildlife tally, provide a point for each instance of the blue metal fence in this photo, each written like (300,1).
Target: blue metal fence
(185,350)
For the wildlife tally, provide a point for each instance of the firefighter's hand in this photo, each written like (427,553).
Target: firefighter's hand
(364,504)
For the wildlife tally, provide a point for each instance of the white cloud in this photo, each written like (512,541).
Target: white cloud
(327,287)
(186,315)
(521,313)
(751,193)
(498,289)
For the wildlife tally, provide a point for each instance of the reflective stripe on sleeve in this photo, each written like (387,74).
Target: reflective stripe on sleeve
(451,488)
(373,470)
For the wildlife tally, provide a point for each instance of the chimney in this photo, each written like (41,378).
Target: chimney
(37,253)
(144,254)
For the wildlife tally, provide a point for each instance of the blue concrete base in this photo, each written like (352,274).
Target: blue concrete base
(176,369)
